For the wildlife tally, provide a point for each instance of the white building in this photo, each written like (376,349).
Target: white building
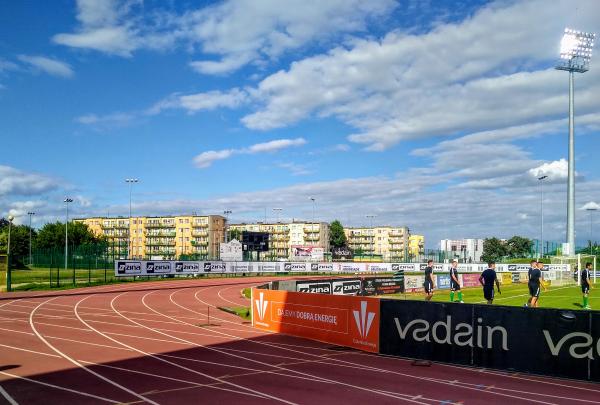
(467,250)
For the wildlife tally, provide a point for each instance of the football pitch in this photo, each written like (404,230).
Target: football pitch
(565,297)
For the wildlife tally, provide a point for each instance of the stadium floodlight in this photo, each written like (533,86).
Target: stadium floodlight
(130,182)
(575,53)
(67,200)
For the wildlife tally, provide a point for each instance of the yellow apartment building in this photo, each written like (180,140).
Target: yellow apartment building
(390,242)
(416,245)
(282,236)
(166,237)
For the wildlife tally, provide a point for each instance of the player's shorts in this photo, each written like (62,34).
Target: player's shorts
(488,293)
(585,288)
(428,287)
(454,286)
(534,290)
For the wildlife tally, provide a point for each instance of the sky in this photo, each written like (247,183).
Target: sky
(439,116)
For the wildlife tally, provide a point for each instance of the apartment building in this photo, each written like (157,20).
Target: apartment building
(416,245)
(282,236)
(166,237)
(467,250)
(390,242)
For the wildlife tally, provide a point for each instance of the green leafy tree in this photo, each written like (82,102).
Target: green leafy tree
(519,247)
(19,243)
(337,237)
(234,234)
(493,250)
(52,236)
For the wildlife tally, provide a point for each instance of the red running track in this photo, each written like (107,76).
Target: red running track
(150,343)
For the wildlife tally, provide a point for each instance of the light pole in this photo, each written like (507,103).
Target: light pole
(30,213)
(372,235)
(226,213)
(130,182)
(541,247)
(66,201)
(312,226)
(278,210)
(575,52)
(591,211)
(8,272)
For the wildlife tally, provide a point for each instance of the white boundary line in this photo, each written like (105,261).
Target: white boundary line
(6,396)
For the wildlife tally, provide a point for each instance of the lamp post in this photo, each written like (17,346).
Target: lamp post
(575,52)
(8,272)
(591,211)
(30,213)
(312,226)
(66,201)
(541,247)
(372,235)
(130,182)
(277,210)
(226,213)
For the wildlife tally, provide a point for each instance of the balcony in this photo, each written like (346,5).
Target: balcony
(315,238)
(396,234)
(154,242)
(279,238)
(164,252)
(199,225)
(312,229)
(159,233)
(114,226)
(203,234)
(280,231)
(151,225)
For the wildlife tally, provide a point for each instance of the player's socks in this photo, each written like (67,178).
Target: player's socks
(585,301)
(451,296)
(460,296)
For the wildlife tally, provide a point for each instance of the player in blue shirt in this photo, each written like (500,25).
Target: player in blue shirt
(586,284)
(487,280)
(429,284)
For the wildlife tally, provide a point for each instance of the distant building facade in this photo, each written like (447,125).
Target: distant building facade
(466,250)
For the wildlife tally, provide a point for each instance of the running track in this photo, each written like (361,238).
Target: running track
(149,343)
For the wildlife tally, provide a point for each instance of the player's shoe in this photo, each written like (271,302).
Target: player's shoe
(461,302)
(587,307)
(526,305)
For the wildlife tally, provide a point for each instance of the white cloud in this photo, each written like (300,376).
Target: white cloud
(491,71)
(118,119)
(591,205)
(51,66)
(295,169)
(557,170)
(206,159)
(204,101)
(17,182)
(6,66)
(234,33)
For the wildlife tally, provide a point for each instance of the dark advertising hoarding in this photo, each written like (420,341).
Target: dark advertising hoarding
(382,285)
(542,341)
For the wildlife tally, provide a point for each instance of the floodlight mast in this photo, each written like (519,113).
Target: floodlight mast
(575,53)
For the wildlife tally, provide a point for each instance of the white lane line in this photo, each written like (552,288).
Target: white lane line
(72,360)
(321,379)
(6,396)
(85,394)
(164,360)
(86,343)
(164,377)
(30,351)
(225,299)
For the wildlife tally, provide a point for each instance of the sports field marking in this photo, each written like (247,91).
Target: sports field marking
(163,360)
(58,387)
(72,360)
(10,399)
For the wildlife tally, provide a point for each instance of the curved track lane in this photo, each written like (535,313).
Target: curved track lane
(153,343)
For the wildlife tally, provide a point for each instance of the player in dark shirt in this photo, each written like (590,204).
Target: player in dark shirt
(454,284)
(586,284)
(536,280)
(487,280)
(429,284)
(532,266)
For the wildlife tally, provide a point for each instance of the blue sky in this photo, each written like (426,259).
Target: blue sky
(431,115)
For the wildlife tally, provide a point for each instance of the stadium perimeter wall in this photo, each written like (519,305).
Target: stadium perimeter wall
(542,341)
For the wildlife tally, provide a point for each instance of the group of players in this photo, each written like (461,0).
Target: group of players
(535,281)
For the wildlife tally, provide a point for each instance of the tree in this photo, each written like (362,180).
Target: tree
(493,250)
(519,246)
(19,243)
(234,234)
(52,236)
(337,237)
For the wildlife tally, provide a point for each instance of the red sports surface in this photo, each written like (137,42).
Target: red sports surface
(150,343)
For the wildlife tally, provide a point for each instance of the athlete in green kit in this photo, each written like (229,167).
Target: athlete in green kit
(454,283)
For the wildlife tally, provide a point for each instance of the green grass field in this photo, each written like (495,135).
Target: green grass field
(566,297)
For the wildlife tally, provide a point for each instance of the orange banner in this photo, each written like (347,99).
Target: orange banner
(342,320)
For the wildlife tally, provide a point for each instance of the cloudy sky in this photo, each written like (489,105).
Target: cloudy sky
(428,114)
